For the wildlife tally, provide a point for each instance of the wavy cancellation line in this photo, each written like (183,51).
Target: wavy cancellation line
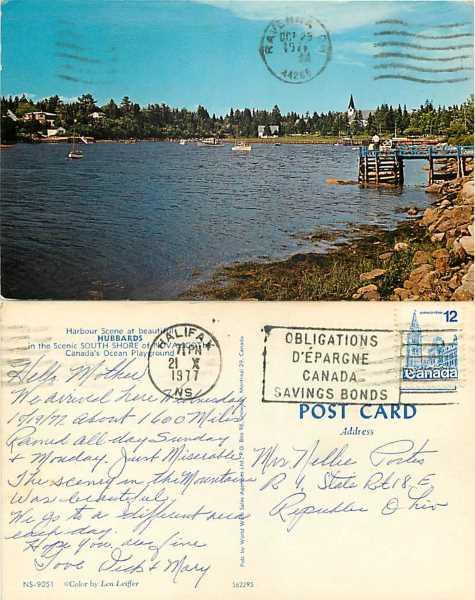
(423,36)
(420,80)
(395,65)
(425,25)
(421,47)
(423,58)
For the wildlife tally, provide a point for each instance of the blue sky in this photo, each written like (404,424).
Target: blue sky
(205,52)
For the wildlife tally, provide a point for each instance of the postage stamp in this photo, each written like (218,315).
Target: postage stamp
(430,355)
(192,365)
(296,49)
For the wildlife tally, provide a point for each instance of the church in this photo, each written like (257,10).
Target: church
(352,112)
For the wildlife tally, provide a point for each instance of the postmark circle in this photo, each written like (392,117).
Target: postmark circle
(296,49)
(184,361)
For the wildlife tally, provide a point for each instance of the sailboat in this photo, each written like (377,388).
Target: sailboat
(75,152)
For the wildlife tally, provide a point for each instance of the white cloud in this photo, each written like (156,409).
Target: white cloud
(336,15)
(68,98)
(30,95)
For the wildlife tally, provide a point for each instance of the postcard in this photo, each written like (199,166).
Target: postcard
(213,150)
(237,300)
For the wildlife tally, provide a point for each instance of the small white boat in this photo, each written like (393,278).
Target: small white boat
(182,142)
(210,143)
(242,147)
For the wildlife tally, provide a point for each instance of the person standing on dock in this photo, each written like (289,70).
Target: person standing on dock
(375,141)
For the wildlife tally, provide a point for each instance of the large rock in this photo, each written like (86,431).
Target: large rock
(341,182)
(467,244)
(467,192)
(421,257)
(454,282)
(399,246)
(440,253)
(465,290)
(386,256)
(458,250)
(438,237)
(441,264)
(467,279)
(462,294)
(441,257)
(401,293)
(430,215)
(419,273)
(454,217)
(370,275)
(367,292)
(413,281)
(426,282)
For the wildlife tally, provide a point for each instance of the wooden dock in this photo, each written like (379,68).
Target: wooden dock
(386,166)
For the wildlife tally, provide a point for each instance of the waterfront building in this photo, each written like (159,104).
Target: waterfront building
(55,132)
(274,130)
(45,118)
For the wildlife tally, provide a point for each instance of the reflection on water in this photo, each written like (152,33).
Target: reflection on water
(148,220)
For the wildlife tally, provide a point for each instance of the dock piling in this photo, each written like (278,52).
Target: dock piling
(379,167)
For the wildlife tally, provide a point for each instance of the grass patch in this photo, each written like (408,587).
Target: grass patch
(334,276)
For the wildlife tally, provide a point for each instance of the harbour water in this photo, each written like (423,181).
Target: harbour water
(149,220)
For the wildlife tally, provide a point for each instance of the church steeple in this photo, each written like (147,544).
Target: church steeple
(351,112)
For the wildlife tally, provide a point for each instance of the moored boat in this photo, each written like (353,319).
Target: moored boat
(75,153)
(210,143)
(242,147)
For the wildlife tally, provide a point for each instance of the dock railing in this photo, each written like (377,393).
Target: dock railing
(422,152)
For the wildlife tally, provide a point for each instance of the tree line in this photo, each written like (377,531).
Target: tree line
(160,121)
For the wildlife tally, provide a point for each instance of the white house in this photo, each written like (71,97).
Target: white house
(54,132)
(42,117)
(274,130)
(97,115)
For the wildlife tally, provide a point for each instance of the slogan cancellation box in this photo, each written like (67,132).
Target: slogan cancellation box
(313,364)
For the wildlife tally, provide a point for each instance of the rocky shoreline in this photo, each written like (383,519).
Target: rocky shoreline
(429,257)
(446,271)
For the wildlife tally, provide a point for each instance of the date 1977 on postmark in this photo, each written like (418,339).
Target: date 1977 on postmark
(296,49)
(184,361)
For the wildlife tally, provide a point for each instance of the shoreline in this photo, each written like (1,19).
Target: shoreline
(282,140)
(427,258)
